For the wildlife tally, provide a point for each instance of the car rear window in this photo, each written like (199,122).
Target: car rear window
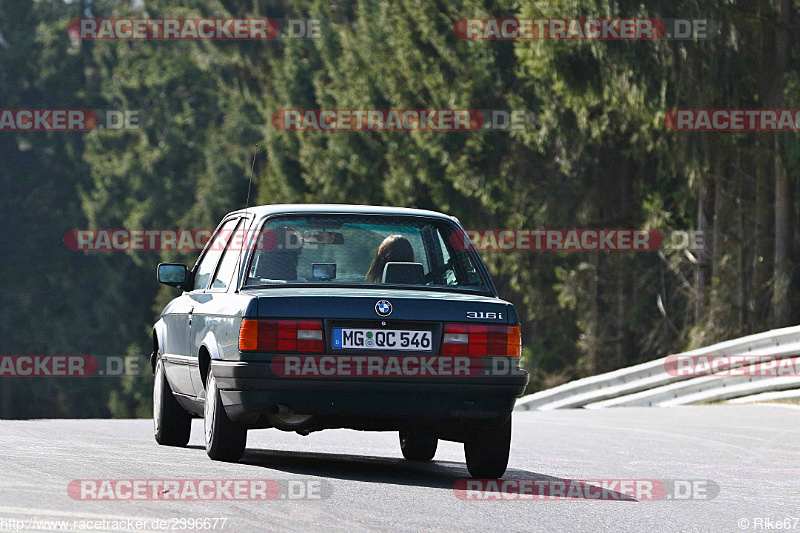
(363,250)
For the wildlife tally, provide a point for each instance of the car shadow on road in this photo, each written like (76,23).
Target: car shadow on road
(449,475)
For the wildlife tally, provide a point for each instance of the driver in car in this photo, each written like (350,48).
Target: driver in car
(393,249)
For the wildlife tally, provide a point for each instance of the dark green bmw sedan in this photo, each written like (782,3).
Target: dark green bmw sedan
(310,317)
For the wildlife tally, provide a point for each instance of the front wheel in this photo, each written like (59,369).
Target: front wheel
(171,424)
(225,440)
(417,447)
(487,451)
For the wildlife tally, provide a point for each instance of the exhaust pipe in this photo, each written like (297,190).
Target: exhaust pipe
(287,420)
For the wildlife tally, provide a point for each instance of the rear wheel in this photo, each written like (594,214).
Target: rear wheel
(171,424)
(487,451)
(417,447)
(225,440)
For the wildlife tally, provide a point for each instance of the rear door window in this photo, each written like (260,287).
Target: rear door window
(213,251)
(227,265)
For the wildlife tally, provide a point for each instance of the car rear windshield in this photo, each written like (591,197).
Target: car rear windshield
(361,250)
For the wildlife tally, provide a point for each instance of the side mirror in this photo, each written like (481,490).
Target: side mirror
(173,274)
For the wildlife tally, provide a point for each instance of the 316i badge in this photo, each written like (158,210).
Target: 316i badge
(485,315)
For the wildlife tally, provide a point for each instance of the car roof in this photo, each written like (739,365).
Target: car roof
(261,211)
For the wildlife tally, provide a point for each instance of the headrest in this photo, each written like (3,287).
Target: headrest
(278,265)
(404,273)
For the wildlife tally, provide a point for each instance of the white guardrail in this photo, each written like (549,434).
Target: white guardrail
(650,385)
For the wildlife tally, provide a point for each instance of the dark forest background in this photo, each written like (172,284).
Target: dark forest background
(598,157)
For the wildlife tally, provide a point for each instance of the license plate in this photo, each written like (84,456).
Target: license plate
(383,339)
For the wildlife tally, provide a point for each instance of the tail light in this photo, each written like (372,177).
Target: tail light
(280,335)
(493,341)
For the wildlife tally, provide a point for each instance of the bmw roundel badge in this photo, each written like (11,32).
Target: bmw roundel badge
(383,308)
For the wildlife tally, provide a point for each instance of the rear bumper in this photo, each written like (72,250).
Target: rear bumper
(251,388)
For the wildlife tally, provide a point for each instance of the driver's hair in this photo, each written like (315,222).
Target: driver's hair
(393,249)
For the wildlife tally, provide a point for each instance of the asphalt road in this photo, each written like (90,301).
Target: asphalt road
(747,458)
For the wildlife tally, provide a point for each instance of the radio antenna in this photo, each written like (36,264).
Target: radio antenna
(246,205)
(250,183)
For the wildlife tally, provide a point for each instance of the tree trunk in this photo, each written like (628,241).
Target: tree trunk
(781,297)
(764,244)
(742,238)
(702,255)
(781,293)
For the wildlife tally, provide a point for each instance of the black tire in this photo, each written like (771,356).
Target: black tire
(487,451)
(225,440)
(417,447)
(172,425)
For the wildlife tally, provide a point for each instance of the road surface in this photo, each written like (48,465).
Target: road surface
(746,459)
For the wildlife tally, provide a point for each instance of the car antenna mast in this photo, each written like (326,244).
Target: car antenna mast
(246,205)
(250,182)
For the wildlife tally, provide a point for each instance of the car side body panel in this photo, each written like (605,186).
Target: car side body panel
(175,350)
(215,326)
